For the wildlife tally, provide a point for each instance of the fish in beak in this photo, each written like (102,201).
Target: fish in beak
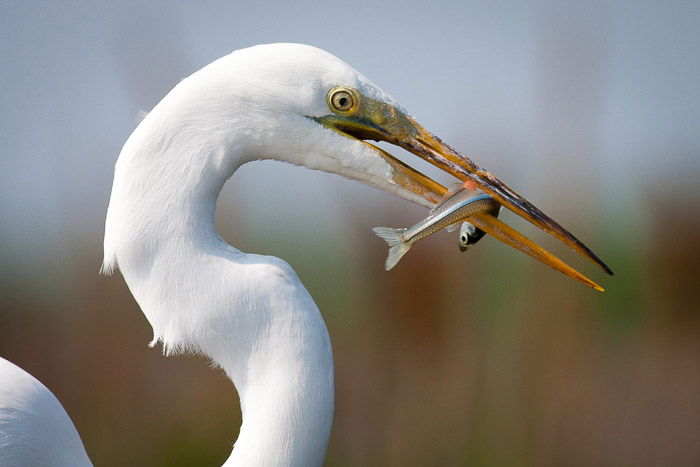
(360,117)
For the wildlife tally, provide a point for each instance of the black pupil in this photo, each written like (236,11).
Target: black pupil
(343,101)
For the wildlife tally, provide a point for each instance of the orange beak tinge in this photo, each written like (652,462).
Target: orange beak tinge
(427,146)
(381,121)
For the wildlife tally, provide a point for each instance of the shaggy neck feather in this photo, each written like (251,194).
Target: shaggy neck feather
(248,313)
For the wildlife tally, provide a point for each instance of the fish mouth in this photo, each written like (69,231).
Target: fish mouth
(383,122)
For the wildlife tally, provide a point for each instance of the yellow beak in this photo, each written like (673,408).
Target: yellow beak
(382,122)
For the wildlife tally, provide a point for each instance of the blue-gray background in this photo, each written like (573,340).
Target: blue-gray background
(591,109)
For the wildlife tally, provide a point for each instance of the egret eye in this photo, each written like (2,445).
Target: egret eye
(343,100)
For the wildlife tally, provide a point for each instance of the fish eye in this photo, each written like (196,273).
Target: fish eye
(463,238)
(343,100)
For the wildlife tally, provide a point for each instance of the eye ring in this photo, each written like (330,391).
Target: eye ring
(463,238)
(343,101)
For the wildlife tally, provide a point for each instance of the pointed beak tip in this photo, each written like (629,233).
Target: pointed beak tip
(408,134)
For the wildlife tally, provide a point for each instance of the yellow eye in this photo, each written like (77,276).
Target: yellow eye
(343,100)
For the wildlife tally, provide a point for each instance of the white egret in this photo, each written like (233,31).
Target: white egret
(250,313)
(34,427)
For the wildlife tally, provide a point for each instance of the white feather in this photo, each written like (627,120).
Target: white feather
(35,430)
(249,313)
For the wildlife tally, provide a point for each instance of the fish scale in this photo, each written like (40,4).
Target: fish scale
(481,205)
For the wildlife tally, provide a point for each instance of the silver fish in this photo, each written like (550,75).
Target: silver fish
(458,204)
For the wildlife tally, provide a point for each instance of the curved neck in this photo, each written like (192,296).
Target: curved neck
(250,314)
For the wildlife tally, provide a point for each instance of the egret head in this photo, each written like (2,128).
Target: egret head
(349,111)
(302,105)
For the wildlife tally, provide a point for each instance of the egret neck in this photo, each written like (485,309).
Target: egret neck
(249,313)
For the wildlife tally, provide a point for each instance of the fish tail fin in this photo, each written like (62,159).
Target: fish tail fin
(397,246)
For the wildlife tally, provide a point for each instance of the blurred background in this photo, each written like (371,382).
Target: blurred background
(590,109)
